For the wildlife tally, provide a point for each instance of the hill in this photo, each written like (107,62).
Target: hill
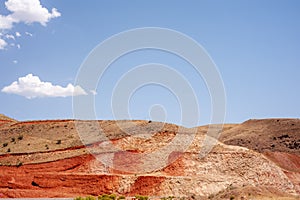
(280,135)
(5,118)
(49,159)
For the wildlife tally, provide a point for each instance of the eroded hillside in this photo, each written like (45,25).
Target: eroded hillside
(50,159)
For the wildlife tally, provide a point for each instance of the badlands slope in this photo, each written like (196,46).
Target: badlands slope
(258,159)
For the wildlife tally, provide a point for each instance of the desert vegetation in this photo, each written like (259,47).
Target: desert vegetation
(116,197)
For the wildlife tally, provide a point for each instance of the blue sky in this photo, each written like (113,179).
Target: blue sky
(255,45)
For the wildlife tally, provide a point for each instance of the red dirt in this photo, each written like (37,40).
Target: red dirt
(176,165)
(147,184)
(65,178)
(19,179)
(290,164)
(127,161)
(287,161)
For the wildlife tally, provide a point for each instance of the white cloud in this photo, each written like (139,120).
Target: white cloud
(29,34)
(18,46)
(9,36)
(6,22)
(31,86)
(24,11)
(2,44)
(94,92)
(15,61)
(27,11)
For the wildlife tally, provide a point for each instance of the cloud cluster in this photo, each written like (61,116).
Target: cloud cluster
(24,11)
(31,86)
(27,11)
(3,43)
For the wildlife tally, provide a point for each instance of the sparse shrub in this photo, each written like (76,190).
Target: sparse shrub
(34,184)
(90,198)
(5,144)
(13,140)
(232,197)
(102,197)
(85,198)
(139,197)
(113,196)
(58,142)
(8,150)
(47,147)
(19,164)
(79,198)
(168,198)
(20,137)
(107,197)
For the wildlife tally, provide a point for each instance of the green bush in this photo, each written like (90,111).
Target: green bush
(79,198)
(139,197)
(113,196)
(107,197)
(90,198)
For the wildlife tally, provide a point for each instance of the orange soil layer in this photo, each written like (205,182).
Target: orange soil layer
(68,178)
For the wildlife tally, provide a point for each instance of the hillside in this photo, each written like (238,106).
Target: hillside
(277,139)
(48,159)
(4,120)
(280,135)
